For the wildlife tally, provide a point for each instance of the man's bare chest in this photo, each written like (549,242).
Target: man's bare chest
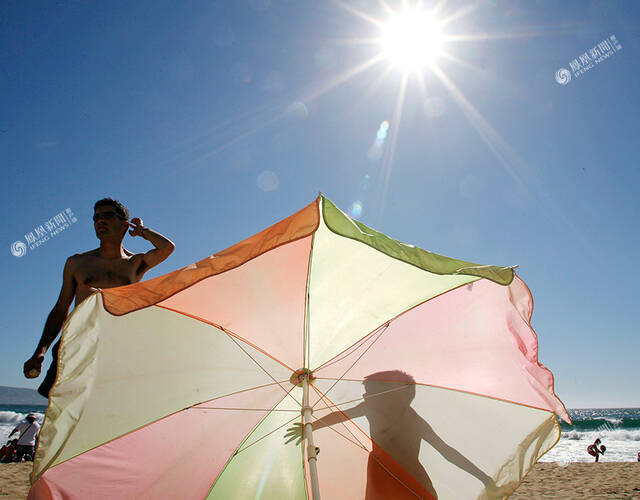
(103,273)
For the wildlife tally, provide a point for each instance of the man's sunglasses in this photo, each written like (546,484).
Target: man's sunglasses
(106,215)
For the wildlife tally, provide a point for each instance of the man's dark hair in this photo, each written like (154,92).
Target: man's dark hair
(120,209)
(381,382)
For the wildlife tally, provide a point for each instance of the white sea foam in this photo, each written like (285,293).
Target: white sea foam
(614,421)
(622,445)
(11,417)
(9,420)
(615,434)
(617,428)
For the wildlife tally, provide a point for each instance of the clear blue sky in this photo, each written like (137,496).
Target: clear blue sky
(212,120)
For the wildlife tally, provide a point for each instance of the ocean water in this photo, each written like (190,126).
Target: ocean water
(10,416)
(617,428)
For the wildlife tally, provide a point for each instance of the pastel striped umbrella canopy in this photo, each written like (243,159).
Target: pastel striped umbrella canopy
(424,375)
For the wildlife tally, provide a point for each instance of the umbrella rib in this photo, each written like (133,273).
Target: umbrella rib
(195,405)
(396,477)
(231,457)
(224,330)
(288,393)
(357,345)
(463,391)
(401,388)
(386,326)
(238,409)
(305,332)
(370,439)
(328,407)
(343,424)
(387,323)
(267,434)
(354,440)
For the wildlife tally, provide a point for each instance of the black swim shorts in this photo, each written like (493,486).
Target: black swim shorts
(52,373)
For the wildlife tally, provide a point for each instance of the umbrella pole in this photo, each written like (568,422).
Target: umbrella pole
(312,455)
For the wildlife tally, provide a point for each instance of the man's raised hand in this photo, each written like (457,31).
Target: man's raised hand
(294,433)
(33,366)
(136,224)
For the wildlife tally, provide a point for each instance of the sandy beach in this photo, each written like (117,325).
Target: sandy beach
(587,481)
(14,480)
(577,481)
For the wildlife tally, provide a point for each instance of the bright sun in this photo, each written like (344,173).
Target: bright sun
(412,40)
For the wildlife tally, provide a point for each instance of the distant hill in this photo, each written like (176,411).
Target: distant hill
(20,396)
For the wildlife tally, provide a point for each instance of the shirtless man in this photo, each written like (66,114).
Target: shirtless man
(108,266)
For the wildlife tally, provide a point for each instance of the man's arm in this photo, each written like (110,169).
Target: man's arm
(453,455)
(163,246)
(337,417)
(295,432)
(54,321)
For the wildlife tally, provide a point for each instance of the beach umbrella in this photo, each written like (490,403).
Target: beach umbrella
(412,375)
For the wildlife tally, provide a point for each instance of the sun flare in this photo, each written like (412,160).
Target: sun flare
(412,40)
(420,43)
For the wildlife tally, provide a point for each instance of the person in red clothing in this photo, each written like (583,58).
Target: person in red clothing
(8,452)
(594,451)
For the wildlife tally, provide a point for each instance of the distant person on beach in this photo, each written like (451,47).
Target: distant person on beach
(107,266)
(639,456)
(594,451)
(28,431)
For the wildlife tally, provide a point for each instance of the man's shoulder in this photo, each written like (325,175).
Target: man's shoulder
(77,257)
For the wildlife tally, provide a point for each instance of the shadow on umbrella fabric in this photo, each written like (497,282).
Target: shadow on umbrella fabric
(397,432)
